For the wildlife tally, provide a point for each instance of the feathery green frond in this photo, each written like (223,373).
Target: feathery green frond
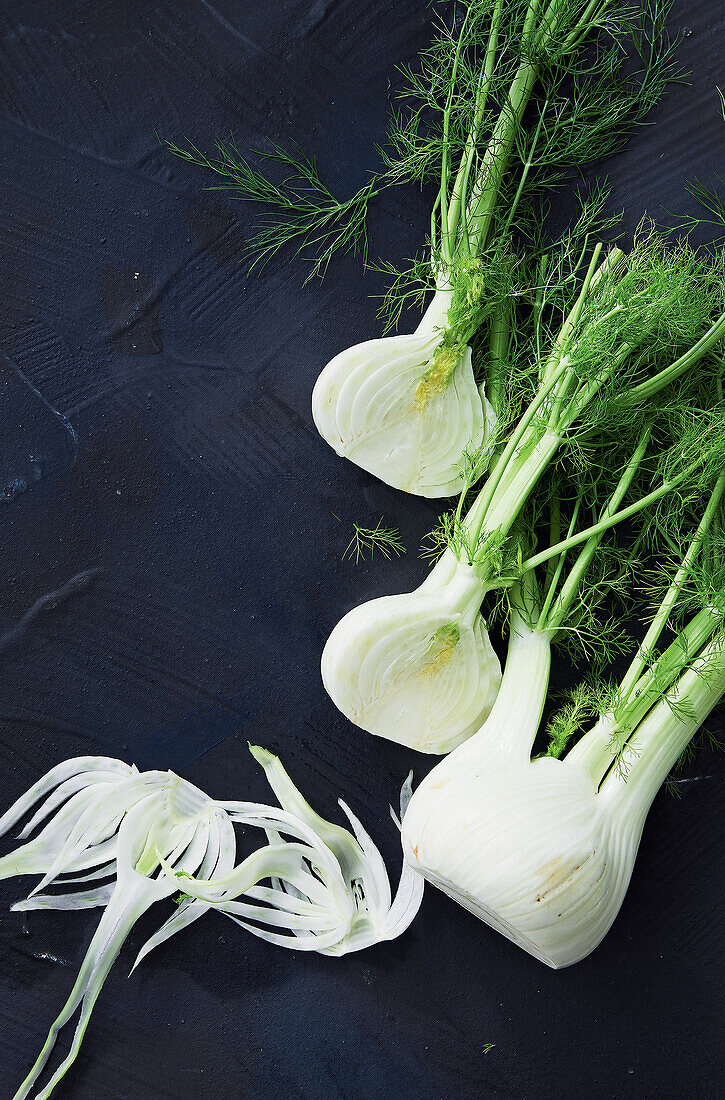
(299,211)
(367,540)
(581,704)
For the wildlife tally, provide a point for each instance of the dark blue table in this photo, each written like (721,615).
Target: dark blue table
(172,566)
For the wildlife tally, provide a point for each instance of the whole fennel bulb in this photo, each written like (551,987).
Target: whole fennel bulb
(417,668)
(543,850)
(405,408)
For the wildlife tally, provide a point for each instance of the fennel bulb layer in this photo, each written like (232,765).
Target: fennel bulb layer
(331,889)
(108,829)
(104,835)
(405,408)
(416,668)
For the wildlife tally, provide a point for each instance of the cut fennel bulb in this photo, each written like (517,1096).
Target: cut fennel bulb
(109,836)
(542,850)
(405,408)
(331,891)
(108,829)
(416,668)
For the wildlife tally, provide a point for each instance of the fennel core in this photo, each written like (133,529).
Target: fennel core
(441,648)
(437,376)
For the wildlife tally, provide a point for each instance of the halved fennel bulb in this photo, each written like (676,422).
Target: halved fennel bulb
(405,408)
(416,668)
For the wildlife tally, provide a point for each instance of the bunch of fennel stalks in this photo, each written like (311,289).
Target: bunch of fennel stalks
(625,422)
(594,397)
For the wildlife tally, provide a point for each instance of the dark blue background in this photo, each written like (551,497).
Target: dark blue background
(172,567)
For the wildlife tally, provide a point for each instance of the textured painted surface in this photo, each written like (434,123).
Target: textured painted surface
(172,567)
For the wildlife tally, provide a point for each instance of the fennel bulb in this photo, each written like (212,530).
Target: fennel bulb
(543,850)
(406,408)
(416,668)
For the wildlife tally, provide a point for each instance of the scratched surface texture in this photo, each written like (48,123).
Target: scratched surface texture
(171,566)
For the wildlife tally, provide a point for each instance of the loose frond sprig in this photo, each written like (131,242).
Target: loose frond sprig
(300,213)
(366,541)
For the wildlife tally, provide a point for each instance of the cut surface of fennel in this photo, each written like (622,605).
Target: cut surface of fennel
(416,668)
(405,408)
(543,850)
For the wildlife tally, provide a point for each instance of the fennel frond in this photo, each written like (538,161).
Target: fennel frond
(367,540)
